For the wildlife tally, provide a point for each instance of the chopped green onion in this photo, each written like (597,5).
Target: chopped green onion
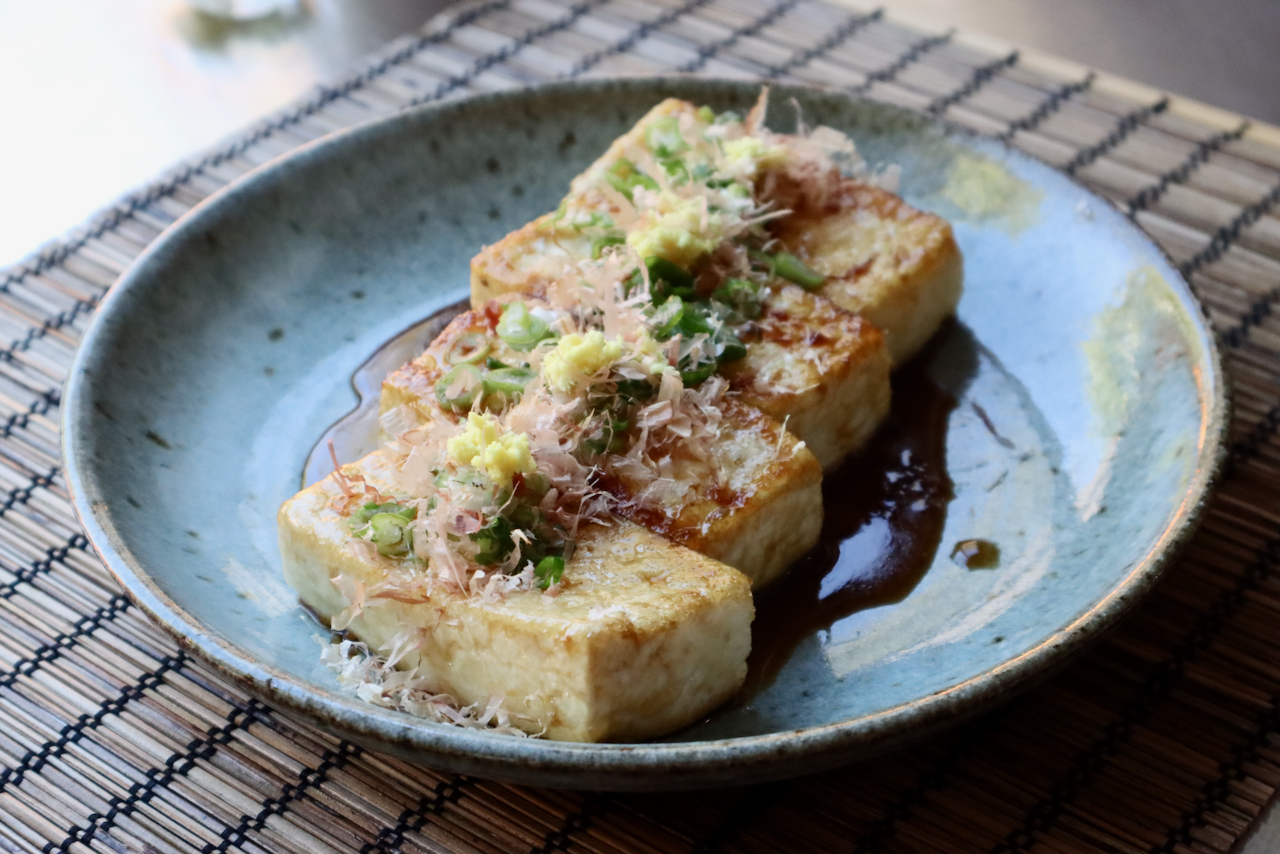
(632,284)
(592,220)
(793,269)
(508,381)
(664,138)
(535,485)
(494,541)
(741,295)
(706,114)
(624,177)
(494,364)
(676,170)
(702,172)
(457,389)
(666,318)
(386,526)
(668,279)
(559,215)
(731,347)
(549,570)
(695,321)
(693,376)
(390,533)
(604,242)
(633,390)
(373,508)
(521,329)
(469,349)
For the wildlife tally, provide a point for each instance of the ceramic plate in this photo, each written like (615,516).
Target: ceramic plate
(1087,426)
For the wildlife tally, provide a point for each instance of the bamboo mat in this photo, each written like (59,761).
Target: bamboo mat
(1166,738)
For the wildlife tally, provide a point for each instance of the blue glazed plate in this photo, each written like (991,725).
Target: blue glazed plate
(219,358)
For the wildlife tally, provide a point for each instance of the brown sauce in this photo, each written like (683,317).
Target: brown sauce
(884,514)
(976,554)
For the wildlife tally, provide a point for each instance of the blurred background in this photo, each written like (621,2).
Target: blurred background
(100,96)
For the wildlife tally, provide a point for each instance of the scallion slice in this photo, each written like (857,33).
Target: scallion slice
(508,381)
(457,389)
(469,349)
(549,570)
(604,242)
(663,137)
(792,269)
(521,329)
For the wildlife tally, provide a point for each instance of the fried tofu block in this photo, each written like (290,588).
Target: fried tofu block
(755,503)
(808,361)
(525,260)
(645,637)
(884,260)
(823,370)
(628,146)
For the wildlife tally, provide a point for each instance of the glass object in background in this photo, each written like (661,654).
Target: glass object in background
(244,10)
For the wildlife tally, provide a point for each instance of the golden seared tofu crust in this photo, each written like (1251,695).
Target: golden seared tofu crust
(645,637)
(755,502)
(413,385)
(823,370)
(525,260)
(628,146)
(806,359)
(884,260)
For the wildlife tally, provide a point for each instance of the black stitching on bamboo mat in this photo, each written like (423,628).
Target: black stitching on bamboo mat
(1227,236)
(22,494)
(504,53)
(1047,107)
(389,839)
(177,765)
(52,555)
(1154,689)
(593,806)
(906,58)
(1250,446)
(708,51)
(1149,195)
(33,762)
(753,804)
(40,406)
(839,36)
(963,743)
(331,760)
(1259,310)
(1214,793)
(634,37)
(324,97)
(81,629)
(1127,125)
(981,76)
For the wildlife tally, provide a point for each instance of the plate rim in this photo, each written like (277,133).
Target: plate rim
(691,764)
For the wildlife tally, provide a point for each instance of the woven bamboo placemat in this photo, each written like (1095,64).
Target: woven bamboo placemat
(1166,738)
